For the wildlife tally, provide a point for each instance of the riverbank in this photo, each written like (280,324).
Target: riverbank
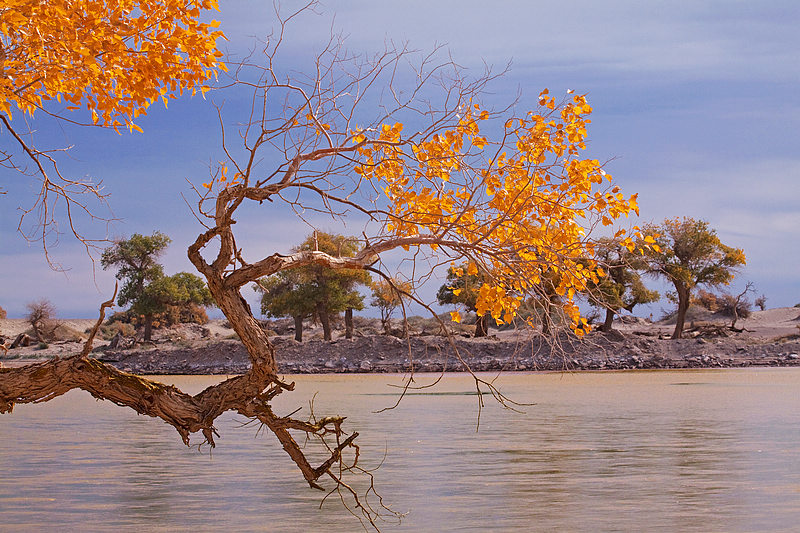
(768,338)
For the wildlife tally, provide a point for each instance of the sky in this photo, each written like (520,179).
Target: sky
(696,108)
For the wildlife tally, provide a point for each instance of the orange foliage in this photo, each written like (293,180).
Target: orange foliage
(521,206)
(116,58)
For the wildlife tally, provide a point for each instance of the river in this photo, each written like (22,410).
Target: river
(707,450)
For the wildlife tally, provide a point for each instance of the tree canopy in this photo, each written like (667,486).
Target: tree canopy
(688,253)
(146,288)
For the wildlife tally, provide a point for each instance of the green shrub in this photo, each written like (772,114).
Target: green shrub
(42,346)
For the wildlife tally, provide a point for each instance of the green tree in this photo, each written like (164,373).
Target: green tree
(316,289)
(689,254)
(286,294)
(146,288)
(622,286)
(462,287)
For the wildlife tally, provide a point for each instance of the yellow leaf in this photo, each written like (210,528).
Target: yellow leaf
(455,316)
(456,292)
(472,269)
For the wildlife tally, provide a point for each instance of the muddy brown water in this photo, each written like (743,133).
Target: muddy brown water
(708,450)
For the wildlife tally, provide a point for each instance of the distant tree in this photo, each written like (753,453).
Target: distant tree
(146,288)
(316,289)
(387,295)
(285,294)
(41,316)
(463,288)
(740,305)
(689,254)
(622,286)
(3,313)
(761,302)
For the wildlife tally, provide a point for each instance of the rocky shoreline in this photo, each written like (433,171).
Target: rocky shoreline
(766,338)
(385,354)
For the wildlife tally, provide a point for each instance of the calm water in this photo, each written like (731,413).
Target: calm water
(670,451)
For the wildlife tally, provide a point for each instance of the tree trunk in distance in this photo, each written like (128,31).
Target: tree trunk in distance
(348,323)
(683,307)
(298,328)
(546,318)
(608,325)
(482,326)
(148,328)
(325,320)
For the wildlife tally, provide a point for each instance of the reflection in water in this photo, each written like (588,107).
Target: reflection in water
(607,451)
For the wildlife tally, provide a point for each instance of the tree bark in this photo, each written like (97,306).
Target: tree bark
(683,307)
(348,323)
(298,328)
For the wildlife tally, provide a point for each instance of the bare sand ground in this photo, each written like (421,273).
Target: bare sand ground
(770,337)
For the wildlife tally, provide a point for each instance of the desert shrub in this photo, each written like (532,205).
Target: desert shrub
(182,314)
(707,300)
(728,304)
(108,331)
(723,304)
(3,313)
(42,346)
(175,314)
(761,302)
(694,313)
(125,317)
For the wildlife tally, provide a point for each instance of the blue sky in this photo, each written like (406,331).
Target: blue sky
(697,103)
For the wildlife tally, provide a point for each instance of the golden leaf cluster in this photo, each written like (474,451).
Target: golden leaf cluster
(113,57)
(521,206)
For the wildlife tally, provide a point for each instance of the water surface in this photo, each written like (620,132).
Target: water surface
(708,450)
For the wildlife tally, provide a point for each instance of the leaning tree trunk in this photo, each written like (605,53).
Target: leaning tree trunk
(683,307)
(298,328)
(348,323)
